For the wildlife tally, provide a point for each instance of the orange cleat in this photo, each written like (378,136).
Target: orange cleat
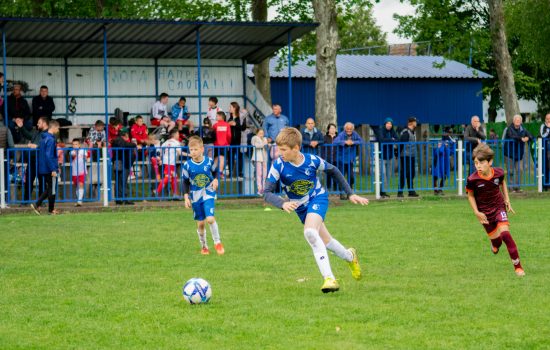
(205,251)
(219,249)
(519,272)
(494,250)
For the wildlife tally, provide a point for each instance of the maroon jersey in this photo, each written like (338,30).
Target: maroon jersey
(487,193)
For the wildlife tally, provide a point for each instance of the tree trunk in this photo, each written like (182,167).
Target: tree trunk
(328,44)
(503,61)
(261,70)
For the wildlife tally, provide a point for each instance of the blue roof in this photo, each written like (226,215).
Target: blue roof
(380,67)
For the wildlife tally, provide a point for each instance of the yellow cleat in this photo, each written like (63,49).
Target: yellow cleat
(354,265)
(330,285)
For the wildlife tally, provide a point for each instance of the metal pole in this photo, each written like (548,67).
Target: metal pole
(377,170)
(244,82)
(2,181)
(156,77)
(540,175)
(199,90)
(66,64)
(106,180)
(106,81)
(4,58)
(460,179)
(290,78)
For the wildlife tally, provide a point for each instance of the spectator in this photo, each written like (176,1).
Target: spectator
(407,159)
(171,151)
(31,157)
(329,153)
(346,154)
(124,155)
(514,150)
(273,124)
(19,131)
(222,139)
(186,130)
(160,117)
(6,141)
(48,169)
(180,112)
(386,138)
(78,169)
(153,152)
(208,137)
(96,136)
(259,157)
(213,109)
(42,105)
(493,135)
(545,135)
(237,127)
(18,106)
(441,168)
(114,128)
(139,131)
(474,135)
(311,137)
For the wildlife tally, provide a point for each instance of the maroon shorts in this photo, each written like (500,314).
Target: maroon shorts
(497,219)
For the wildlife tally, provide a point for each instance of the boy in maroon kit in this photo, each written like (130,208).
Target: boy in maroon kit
(488,197)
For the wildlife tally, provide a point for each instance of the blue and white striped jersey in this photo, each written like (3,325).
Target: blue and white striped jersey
(200,176)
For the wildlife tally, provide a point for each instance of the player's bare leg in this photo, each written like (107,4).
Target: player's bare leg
(312,226)
(349,255)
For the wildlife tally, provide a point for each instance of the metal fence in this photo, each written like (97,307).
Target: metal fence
(154,173)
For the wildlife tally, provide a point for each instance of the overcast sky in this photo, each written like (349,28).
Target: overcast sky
(383,13)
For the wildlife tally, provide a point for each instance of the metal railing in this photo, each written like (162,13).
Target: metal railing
(154,173)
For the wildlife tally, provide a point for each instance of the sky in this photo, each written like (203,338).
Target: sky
(383,13)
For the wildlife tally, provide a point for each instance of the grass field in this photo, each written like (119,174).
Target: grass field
(113,281)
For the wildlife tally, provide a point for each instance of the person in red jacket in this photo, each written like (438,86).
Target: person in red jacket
(139,131)
(222,139)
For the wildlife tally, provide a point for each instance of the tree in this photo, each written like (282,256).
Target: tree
(357,28)
(326,48)
(261,70)
(503,62)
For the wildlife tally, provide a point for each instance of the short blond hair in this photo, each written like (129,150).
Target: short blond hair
(195,141)
(290,137)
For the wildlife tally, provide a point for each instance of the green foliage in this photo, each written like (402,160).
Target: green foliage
(113,280)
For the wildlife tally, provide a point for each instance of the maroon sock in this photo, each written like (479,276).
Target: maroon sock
(512,248)
(497,242)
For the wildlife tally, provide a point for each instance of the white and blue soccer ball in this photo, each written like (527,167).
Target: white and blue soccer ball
(197,291)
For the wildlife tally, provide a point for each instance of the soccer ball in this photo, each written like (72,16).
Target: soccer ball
(197,291)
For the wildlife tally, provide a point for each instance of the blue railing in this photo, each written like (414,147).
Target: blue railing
(155,173)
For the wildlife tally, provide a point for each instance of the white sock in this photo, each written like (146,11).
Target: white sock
(202,238)
(319,252)
(80,194)
(215,232)
(340,251)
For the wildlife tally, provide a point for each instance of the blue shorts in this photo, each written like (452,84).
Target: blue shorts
(203,209)
(317,205)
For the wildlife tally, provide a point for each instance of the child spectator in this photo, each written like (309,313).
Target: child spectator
(171,151)
(297,172)
(259,157)
(493,135)
(96,137)
(139,131)
(180,112)
(160,115)
(124,155)
(199,180)
(78,169)
(208,136)
(186,130)
(153,152)
(222,139)
(47,169)
(114,127)
(488,197)
(213,109)
(441,168)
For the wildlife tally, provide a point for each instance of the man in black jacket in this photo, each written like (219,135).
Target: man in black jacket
(514,149)
(386,137)
(474,135)
(18,106)
(29,157)
(42,105)
(124,155)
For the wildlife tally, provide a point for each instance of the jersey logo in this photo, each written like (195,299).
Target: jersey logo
(496,181)
(205,168)
(482,185)
(201,180)
(301,187)
(315,206)
(308,172)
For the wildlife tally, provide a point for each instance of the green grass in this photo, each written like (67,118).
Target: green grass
(113,281)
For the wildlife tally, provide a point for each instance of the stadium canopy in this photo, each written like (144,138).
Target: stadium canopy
(251,42)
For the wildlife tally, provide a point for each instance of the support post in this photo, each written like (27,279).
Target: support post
(540,175)
(377,170)
(106,81)
(2,180)
(290,77)
(460,167)
(199,90)
(106,180)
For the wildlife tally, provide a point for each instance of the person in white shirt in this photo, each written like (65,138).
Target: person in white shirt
(159,113)
(213,109)
(78,169)
(259,157)
(171,151)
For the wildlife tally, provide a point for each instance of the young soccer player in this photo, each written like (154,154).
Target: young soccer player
(171,152)
(297,173)
(488,197)
(78,170)
(199,179)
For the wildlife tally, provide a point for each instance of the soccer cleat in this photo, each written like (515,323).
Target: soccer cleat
(330,285)
(494,249)
(35,209)
(219,249)
(354,265)
(519,272)
(205,251)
